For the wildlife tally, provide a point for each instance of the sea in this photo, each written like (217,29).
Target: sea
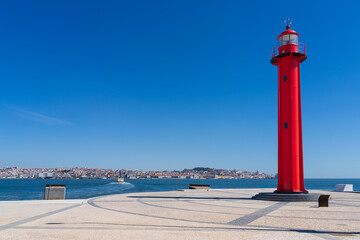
(33,189)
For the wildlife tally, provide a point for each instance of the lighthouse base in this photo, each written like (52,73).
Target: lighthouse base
(287,196)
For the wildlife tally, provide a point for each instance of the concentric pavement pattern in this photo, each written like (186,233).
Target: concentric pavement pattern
(189,214)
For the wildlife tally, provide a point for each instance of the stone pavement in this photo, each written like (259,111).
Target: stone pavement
(190,214)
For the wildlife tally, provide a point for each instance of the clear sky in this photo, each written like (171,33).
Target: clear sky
(174,84)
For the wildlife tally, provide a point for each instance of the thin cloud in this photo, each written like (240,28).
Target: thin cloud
(37,117)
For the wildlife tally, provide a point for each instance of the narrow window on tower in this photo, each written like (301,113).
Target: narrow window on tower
(285,78)
(285,125)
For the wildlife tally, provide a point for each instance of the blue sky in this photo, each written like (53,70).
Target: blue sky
(174,84)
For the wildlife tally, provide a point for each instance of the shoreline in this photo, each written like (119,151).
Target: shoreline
(171,179)
(20,190)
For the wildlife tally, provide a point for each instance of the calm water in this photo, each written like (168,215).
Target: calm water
(28,189)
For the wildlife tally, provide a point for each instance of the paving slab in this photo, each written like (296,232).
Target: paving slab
(190,214)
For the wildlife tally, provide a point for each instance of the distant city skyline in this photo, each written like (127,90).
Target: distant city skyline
(172,85)
(98,173)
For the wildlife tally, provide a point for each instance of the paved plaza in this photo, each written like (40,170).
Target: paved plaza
(189,214)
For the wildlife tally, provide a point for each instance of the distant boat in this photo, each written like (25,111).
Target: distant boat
(120,180)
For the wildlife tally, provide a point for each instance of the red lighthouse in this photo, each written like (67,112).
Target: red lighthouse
(287,56)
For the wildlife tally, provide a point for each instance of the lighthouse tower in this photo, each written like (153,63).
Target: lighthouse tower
(287,56)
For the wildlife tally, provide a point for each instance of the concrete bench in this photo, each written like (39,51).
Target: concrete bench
(54,192)
(199,186)
(343,188)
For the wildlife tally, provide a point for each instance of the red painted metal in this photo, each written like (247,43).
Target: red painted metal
(295,48)
(287,56)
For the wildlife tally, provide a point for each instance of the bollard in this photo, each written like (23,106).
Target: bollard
(199,186)
(324,200)
(54,192)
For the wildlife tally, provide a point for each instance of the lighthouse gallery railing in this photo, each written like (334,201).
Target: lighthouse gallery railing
(301,49)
